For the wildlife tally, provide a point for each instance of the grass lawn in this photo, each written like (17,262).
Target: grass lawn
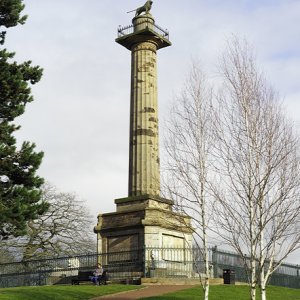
(66,292)
(228,292)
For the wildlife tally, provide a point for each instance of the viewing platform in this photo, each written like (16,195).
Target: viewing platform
(143,26)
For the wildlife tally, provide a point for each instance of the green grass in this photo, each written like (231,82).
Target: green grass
(219,292)
(228,292)
(55,292)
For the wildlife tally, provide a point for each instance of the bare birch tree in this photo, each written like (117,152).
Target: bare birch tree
(189,145)
(258,169)
(65,229)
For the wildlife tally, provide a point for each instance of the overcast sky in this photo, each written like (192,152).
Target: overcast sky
(80,116)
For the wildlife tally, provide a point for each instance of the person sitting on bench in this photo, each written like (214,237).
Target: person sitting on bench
(97,274)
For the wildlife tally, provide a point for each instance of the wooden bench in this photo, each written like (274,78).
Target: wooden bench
(82,276)
(86,276)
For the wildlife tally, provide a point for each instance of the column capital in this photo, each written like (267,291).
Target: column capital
(144,46)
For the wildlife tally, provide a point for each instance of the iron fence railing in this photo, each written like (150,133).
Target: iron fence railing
(61,270)
(287,275)
(145,24)
(135,264)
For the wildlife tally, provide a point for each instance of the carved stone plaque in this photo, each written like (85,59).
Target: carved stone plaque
(120,248)
(170,243)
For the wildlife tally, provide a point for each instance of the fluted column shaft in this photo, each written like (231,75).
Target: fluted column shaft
(144,175)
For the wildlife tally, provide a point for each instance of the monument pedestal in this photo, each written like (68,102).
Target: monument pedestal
(142,221)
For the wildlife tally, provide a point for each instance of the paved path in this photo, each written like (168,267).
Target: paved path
(148,291)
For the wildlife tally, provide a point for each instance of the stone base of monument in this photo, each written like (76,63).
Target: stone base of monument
(139,223)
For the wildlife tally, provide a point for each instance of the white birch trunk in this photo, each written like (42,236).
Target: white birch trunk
(262,255)
(253,252)
(206,292)
(263,294)
(253,279)
(265,277)
(206,256)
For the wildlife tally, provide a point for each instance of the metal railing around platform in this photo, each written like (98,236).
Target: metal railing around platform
(145,24)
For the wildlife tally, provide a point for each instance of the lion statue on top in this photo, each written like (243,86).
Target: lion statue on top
(145,8)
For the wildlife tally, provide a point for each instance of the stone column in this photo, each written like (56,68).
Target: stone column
(144,154)
(144,175)
(143,38)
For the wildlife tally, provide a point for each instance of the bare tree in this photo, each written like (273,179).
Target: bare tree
(189,145)
(258,169)
(65,229)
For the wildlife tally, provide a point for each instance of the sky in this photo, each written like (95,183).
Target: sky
(80,115)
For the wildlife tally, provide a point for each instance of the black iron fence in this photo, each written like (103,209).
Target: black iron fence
(145,24)
(130,266)
(174,262)
(287,275)
(61,270)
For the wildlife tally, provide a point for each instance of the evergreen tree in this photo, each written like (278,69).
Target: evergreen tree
(20,195)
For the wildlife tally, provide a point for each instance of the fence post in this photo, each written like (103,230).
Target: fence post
(144,249)
(215,261)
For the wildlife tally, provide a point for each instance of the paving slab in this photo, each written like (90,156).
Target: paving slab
(148,291)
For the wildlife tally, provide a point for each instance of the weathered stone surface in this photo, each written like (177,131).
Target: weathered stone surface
(144,175)
(167,220)
(123,242)
(116,220)
(142,202)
